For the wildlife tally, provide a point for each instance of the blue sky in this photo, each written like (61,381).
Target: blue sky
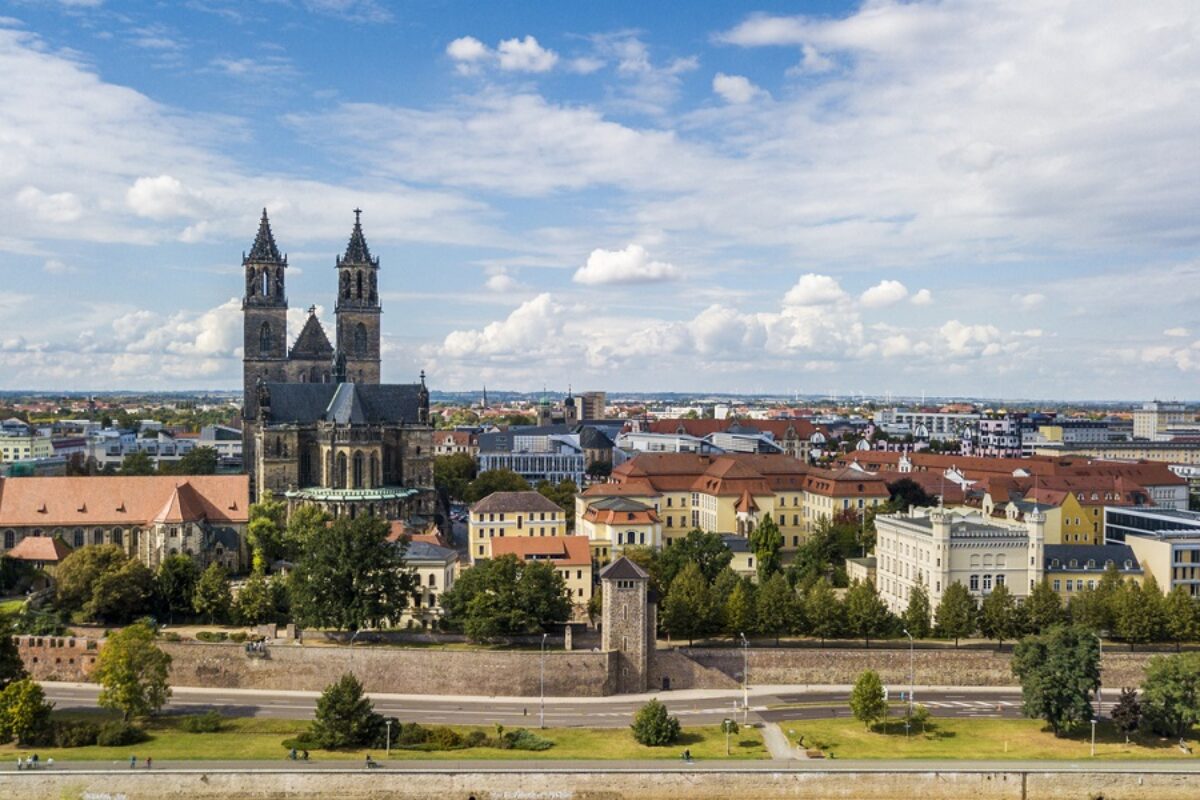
(943,197)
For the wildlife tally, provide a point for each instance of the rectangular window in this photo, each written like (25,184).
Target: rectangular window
(1057,585)
(974,583)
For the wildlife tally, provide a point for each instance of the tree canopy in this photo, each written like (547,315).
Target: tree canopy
(1058,670)
(494,480)
(504,597)
(766,542)
(453,473)
(132,672)
(689,608)
(956,613)
(867,701)
(104,584)
(1171,693)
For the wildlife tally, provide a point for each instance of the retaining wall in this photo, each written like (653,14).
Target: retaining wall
(667,783)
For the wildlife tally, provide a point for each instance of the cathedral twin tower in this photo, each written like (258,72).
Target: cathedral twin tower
(312,359)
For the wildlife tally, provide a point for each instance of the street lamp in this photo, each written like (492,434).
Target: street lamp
(745,680)
(542,713)
(389,738)
(911,673)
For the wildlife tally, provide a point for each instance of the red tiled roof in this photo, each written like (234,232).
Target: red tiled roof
(567,551)
(122,500)
(47,549)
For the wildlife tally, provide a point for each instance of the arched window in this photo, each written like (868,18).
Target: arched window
(98,536)
(360,340)
(264,339)
(358,469)
(432,579)
(358,282)
(374,471)
(266,283)
(78,538)
(341,471)
(10,539)
(118,536)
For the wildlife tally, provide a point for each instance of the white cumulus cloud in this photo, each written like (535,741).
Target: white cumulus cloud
(630,265)
(814,290)
(1178,332)
(923,297)
(885,293)
(160,197)
(525,55)
(735,89)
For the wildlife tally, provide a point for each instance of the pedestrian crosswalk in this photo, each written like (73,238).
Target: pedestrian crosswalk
(968,703)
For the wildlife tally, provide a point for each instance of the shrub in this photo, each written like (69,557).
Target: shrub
(522,739)
(345,717)
(208,722)
(444,739)
(171,636)
(75,733)
(653,726)
(412,733)
(475,739)
(119,733)
(238,636)
(212,636)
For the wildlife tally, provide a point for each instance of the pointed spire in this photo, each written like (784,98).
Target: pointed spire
(264,248)
(357,251)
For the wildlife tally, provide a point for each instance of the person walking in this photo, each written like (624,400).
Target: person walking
(149,761)
(132,762)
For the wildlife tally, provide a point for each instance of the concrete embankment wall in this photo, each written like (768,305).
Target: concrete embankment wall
(631,785)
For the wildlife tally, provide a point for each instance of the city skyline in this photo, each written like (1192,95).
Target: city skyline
(914,198)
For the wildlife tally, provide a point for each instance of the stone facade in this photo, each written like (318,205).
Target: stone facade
(58,658)
(629,624)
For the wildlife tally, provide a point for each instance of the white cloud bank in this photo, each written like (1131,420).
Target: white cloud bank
(629,265)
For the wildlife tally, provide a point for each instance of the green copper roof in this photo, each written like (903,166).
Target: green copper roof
(351,495)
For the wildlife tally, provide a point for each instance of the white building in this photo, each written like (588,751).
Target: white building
(938,547)
(941,425)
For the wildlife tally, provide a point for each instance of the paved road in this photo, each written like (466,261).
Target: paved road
(663,766)
(767,704)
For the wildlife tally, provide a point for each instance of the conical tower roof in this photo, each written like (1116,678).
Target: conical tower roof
(264,248)
(357,251)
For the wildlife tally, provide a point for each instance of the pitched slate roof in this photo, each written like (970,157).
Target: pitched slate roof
(312,341)
(348,402)
(623,569)
(515,501)
(592,439)
(1083,553)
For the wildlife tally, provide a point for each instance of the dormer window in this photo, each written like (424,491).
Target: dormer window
(1055,564)
(1091,563)
(1074,563)
(1128,564)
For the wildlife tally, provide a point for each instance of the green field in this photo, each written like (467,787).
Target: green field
(960,738)
(263,739)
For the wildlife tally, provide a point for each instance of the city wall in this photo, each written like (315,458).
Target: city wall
(666,783)
(516,673)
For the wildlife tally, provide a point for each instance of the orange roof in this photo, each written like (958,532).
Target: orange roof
(976,468)
(567,551)
(48,549)
(612,516)
(123,500)
(745,503)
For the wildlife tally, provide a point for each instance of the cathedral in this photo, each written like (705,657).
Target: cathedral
(318,426)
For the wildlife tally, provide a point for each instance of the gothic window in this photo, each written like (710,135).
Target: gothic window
(98,536)
(341,471)
(358,469)
(10,540)
(374,470)
(278,446)
(78,538)
(358,282)
(266,283)
(360,340)
(264,339)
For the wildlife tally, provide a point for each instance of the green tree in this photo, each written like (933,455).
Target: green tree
(104,584)
(956,613)
(823,611)
(740,613)
(1171,693)
(175,585)
(599,469)
(212,597)
(1091,610)
(653,726)
(777,606)
(906,493)
(265,533)
(1182,617)
(344,716)
(306,524)
(505,597)
(1043,609)
(866,614)
(867,700)
(12,668)
(198,461)
(257,602)
(916,617)
(80,569)
(137,463)
(563,495)
(998,615)
(1058,670)
(24,712)
(765,543)
(705,550)
(494,480)
(132,672)
(351,577)
(1138,615)
(453,473)
(1127,713)
(595,609)
(689,610)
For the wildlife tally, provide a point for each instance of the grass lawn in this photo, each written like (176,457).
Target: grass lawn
(11,606)
(953,738)
(243,738)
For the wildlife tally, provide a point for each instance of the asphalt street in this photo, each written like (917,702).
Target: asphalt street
(776,704)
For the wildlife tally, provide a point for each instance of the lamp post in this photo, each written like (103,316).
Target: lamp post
(389,738)
(542,702)
(911,673)
(745,680)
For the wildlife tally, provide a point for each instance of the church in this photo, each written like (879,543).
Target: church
(318,426)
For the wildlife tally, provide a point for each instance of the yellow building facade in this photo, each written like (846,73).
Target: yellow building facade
(503,515)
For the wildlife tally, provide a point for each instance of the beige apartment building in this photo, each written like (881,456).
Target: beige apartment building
(503,515)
